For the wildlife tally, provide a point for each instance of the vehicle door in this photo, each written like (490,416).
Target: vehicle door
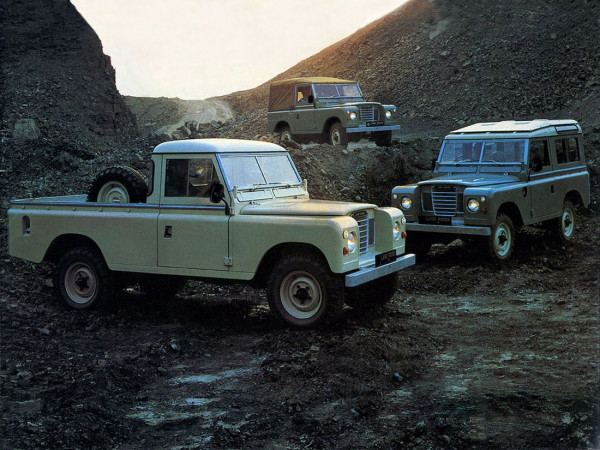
(304,109)
(542,201)
(192,231)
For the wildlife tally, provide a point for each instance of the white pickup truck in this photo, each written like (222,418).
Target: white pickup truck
(216,209)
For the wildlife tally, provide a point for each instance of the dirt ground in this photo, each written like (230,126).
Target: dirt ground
(468,354)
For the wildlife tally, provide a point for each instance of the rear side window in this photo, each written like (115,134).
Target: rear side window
(572,150)
(567,150)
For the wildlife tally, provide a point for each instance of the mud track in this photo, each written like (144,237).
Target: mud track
(467,354)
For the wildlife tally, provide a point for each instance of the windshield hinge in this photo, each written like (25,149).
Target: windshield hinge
(227,261)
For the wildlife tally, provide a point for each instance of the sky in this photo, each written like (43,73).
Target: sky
(196,49)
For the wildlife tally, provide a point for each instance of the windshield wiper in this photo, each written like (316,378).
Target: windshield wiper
(255,186)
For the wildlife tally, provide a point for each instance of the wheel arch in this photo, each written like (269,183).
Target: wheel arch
(329,123)
(574,197)
(512,211)
(276,253)
(63,243)
(281,125)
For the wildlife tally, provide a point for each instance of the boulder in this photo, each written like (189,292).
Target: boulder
(26,129)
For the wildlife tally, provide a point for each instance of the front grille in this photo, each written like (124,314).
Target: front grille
(444,200)
(366,230)
(368,113)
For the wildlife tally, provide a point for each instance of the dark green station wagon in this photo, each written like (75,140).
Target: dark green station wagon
(491,178)
(329,109)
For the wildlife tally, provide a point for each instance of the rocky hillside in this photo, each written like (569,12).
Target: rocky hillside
(446,63)
(61,113)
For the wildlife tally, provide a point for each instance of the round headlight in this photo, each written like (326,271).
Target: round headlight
(396,230)
(388,114)
(473,205)
(350,240)
(406,202)
(352,115)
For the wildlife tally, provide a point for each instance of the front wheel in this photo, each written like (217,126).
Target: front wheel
(82,278)
(563,228)
(501,243)
(338,135)
(285,134)
(302,292)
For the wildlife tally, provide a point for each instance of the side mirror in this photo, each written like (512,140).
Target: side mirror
(311,99)
(217,193)
(433,161)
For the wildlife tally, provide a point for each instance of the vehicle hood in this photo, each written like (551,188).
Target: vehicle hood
(472,179)
(359,104)
(306,208)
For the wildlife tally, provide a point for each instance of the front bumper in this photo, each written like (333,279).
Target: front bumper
(366,129)
(362,276)
(449,229)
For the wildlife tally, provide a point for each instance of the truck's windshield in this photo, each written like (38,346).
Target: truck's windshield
(483,151)
(250,171)
(337,90)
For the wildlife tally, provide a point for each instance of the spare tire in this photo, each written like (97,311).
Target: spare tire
(118,184)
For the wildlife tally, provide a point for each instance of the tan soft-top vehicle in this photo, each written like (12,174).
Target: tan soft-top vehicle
(329,109)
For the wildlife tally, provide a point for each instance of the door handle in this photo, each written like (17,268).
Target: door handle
(552,189)
(168,231)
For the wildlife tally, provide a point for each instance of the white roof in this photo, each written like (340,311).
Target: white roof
(537,127)
(217,146)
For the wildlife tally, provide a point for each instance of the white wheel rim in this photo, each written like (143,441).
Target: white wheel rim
(113,192)
(80,283)
(335,137)
(567,223)
(502,240)
(286,136)
(301,295)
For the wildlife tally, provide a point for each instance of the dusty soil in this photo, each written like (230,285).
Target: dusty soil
(467,354)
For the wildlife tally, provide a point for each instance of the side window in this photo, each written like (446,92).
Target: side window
(567,150)
(538,150)
(572,149)
(561,151)
(302,94)
(189,177)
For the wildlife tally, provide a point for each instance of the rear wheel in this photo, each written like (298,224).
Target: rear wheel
(82,278)
(501,243)
(118,184)
(563,228)
(338,135)
(302,291)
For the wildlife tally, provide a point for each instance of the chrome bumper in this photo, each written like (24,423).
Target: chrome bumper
(362,276)
(449,229)
(367,129)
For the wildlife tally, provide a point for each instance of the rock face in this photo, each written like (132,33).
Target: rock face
(174,118)
(55,73)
